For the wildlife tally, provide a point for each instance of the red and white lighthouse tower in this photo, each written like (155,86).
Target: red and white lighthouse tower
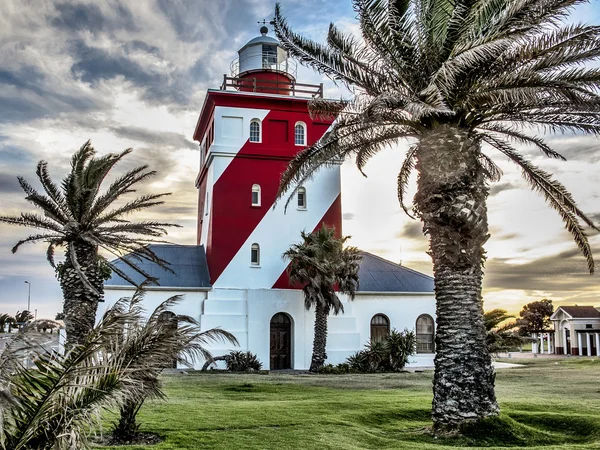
(248,131)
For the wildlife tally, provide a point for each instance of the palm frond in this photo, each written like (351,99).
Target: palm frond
(404,175)
(555,194)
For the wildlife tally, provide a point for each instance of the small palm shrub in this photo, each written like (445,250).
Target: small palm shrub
(360,362)
(400,345)
(388,355)
(238,361)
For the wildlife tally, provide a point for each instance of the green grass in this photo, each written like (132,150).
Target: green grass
(544,405)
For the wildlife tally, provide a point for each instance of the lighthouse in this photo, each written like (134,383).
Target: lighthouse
(248,131)
(234,278)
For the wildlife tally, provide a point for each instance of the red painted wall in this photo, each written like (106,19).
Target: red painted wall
(232,217)
(332,218)
(265,82)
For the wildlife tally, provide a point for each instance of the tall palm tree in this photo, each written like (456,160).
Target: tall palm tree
(321,264)
(450,76)
(80,218)
(165,337)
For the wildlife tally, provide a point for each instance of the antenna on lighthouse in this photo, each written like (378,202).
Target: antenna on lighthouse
(263,30)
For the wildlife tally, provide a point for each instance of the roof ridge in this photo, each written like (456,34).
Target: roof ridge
(387,261)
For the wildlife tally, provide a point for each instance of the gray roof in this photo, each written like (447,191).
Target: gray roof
(188,263)
(190,268)
(581,312)
(264,39)
(380,275)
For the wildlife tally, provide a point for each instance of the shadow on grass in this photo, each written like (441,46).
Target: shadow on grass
(507,430)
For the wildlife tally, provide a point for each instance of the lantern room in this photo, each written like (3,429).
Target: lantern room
(263,66)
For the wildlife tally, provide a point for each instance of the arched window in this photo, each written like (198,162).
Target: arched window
(300,133)
(380,327)
(301,198)
(255,195)
(255,255)
(425,334)
(255,130)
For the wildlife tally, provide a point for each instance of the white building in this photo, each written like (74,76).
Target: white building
(235,277)
(576,331)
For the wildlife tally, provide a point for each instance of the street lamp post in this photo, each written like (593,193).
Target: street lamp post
(28,295)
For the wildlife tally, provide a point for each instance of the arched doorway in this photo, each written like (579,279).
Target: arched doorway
(281,342)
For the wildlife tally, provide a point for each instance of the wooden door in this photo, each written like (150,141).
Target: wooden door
(281,342)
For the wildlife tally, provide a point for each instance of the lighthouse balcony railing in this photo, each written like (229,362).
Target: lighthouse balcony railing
(269,60)
(281,87)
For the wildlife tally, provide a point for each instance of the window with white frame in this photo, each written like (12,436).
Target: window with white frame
(301,198)
(255,195)
(255,255)
(425,334)
(300,133)
(255,130)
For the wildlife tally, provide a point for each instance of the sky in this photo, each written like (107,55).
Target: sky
(134,74)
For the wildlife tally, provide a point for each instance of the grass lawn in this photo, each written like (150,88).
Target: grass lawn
(546,404)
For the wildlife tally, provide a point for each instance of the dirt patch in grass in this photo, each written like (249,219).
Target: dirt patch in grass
(141,439)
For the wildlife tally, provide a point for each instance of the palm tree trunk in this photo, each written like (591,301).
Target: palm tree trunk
(127,428)
(320,340)
(451,201)
(80,302)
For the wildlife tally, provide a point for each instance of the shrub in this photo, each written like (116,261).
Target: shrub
(238,361)
(388,355)
(330,369)
(400,345)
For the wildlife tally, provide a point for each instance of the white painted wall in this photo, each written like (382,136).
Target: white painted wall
(247,314)
(227,144)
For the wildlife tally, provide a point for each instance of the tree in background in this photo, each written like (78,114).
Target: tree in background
(6,323)
(535,316)
(452,77)
(78,217)
(22,318)
(321,264)
(60,316)
(502,336)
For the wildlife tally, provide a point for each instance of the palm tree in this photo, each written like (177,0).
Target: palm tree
(502,336)
(451,76)
(6,323)
(80,218)
(320,263)
(166,337)
(56,402)
(22,318)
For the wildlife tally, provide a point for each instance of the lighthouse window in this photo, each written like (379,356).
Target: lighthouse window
(269,55)
(300,134)
(255,255)
(255,130)
(255,195)
(301,198)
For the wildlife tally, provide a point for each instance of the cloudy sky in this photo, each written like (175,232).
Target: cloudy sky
(134,74)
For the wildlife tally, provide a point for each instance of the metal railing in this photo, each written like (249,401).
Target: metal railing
(270,61)
(281,87)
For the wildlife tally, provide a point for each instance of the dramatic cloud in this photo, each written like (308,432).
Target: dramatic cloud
(128,73)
